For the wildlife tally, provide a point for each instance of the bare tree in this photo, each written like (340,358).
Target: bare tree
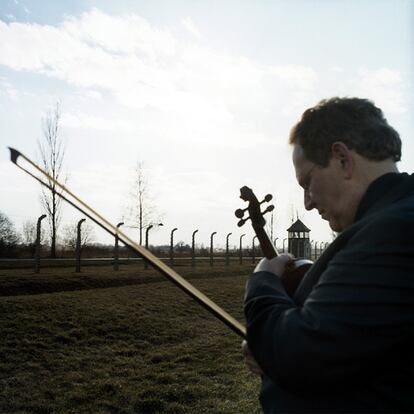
(52,153)
(29,233)
(70,234)
(142,211)
(8,235)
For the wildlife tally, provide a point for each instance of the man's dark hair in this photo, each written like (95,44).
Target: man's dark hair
(358,123)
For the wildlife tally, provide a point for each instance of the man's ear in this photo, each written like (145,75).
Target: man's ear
(344,156)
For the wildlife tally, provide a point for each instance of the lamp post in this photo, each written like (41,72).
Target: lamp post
(193,248)
(271,225)
(284,240)
(172,245)
(241,249)
(37,251)
(253,250)
(211,247)
(316,250)
(227,249)
(78,245)
(116,249)
(146,240)
(146,234)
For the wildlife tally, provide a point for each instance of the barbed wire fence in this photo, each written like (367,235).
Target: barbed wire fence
(80,250)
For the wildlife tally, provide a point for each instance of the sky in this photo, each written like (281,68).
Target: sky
(202,92)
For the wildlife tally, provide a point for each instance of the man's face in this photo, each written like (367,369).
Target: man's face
(324,189)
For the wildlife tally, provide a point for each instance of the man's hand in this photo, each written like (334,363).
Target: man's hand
(277,265)
(249,360)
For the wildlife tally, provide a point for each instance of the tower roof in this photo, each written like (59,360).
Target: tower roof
(298,226)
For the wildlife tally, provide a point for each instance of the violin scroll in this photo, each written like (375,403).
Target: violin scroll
(255,214)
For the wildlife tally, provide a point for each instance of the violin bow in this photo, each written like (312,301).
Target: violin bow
(164,269)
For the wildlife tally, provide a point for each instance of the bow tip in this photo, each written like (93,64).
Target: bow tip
(14,154)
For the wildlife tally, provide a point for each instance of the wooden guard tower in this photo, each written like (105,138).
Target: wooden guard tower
(298,239)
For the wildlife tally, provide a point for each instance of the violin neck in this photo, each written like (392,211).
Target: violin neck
(268,249)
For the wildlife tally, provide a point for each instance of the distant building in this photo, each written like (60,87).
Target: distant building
(298,239)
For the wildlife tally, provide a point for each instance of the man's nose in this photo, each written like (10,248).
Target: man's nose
(309,204)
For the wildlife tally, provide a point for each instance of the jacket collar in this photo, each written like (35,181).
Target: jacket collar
(384,191)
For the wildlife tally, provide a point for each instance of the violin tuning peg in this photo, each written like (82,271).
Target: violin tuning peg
(268,197)
(239,213)
(242,221)
(268,209)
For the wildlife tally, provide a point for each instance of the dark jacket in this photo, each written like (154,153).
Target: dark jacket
(345,341)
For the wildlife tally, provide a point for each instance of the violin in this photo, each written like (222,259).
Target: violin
(293,273)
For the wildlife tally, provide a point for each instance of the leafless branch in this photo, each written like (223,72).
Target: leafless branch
(52,153)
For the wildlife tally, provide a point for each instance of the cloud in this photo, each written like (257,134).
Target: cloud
(7,89)
(197,92)
(80,120)
(177,88)
(93,94)
(191,27)
(127,34)
(303,77)
(384,86)
(10,17)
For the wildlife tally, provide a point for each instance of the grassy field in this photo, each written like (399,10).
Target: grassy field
(121,342)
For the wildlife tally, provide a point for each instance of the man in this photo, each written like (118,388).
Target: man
(345,341)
